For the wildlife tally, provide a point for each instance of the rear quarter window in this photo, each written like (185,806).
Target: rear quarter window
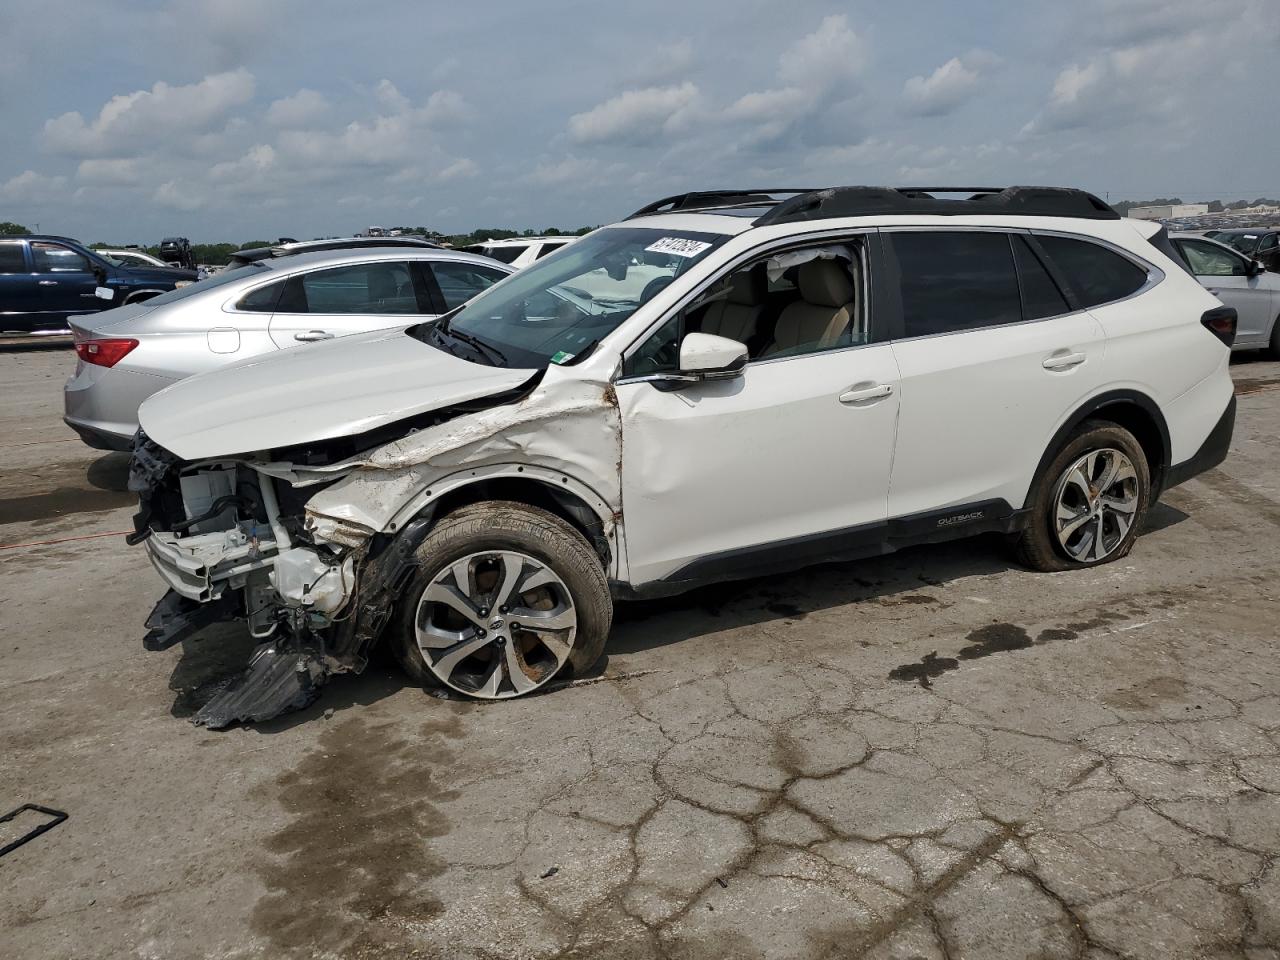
(1095,274)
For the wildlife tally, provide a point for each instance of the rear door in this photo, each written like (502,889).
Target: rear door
(1225,274)
(335,301)
(992,357)
(64,279)
(457,281)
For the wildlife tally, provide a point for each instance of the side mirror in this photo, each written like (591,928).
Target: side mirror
(99,273)
(709,357)
(1254,268)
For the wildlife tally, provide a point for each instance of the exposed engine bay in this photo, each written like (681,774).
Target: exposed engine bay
(311,545)
(231,542)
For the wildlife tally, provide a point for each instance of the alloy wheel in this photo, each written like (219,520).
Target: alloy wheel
(496,624)
(1094,504)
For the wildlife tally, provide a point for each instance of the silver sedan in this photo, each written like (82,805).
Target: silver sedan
(127,354)
(1239,282)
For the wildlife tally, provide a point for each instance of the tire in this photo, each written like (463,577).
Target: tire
(1274,349)
(1061,490)
(483,553)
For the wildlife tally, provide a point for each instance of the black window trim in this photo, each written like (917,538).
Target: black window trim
(893,280)
(876,309)
(1154,274)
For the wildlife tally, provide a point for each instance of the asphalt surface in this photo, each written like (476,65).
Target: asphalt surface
(933,755)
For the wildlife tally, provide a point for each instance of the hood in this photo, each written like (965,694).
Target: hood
(157,274)
(320,391)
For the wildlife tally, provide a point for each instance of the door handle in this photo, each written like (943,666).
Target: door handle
(48,283)
(860,393)
(1063,361)
(313,335)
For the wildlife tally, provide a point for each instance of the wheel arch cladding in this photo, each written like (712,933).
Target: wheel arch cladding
(535,492)
(1134,411)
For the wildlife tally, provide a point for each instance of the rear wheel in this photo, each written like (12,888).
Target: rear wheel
(1275,339)
(506,598)
(1089,502)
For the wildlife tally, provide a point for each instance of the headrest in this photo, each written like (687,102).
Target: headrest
(825,283)
(747,287)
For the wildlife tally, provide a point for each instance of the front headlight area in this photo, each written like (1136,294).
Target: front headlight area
(221,527)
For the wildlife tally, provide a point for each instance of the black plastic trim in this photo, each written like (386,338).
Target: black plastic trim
(1100,403)
(1211,453)
(861,201)
(849,543)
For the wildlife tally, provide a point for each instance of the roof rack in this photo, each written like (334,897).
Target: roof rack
(717,200)
(788,205)
(873,201)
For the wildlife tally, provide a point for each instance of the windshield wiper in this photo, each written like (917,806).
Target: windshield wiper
(492,355)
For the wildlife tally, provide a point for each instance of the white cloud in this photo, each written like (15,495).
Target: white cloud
(110,171)
(458,170)
(180,197)
(568,169)
(949,86)
(254,163)
(831,55)
(634,115)
(149,114)
(818,70)
(298,110)
(33,187)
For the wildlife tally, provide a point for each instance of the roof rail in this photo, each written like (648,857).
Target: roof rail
(881,201)
(713,199)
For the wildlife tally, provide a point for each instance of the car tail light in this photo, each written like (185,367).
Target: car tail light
(105,352)
(1221,322)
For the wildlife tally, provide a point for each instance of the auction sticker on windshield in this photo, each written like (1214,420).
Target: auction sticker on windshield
(678,247)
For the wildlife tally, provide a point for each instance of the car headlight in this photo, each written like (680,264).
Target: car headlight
(183,283)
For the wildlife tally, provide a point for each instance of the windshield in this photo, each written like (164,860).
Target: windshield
(564,304)
(226,276)
(1244,242)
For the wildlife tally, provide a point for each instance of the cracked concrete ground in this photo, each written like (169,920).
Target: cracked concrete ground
(932,755)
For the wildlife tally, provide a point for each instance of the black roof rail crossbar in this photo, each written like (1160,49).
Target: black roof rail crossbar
(885,201)
(710,199)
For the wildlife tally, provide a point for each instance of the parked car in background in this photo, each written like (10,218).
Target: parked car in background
(1241,282)
(289,248)
(46,280)
(814,376)
(128,354)
(1261,244)
(520,251)
(130,258)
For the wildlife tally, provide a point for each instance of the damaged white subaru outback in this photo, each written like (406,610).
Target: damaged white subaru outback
(725,384)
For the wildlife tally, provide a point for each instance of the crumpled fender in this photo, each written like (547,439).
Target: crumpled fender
(568,426)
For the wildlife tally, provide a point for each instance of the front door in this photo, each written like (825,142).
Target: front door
(353,298)
(781,466)
(64,279)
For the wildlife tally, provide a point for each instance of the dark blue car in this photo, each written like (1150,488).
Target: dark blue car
(46,280)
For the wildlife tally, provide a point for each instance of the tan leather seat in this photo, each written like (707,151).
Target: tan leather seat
(737,316)
(823,313)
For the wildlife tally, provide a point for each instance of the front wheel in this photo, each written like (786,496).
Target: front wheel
(1089,502)
(506,597)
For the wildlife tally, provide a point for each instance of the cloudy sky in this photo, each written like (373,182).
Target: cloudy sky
(244,119)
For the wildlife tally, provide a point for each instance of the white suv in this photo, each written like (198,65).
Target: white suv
(520,251)
(722,385)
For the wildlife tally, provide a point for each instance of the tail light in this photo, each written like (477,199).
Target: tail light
(1221,322)
(106,351)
